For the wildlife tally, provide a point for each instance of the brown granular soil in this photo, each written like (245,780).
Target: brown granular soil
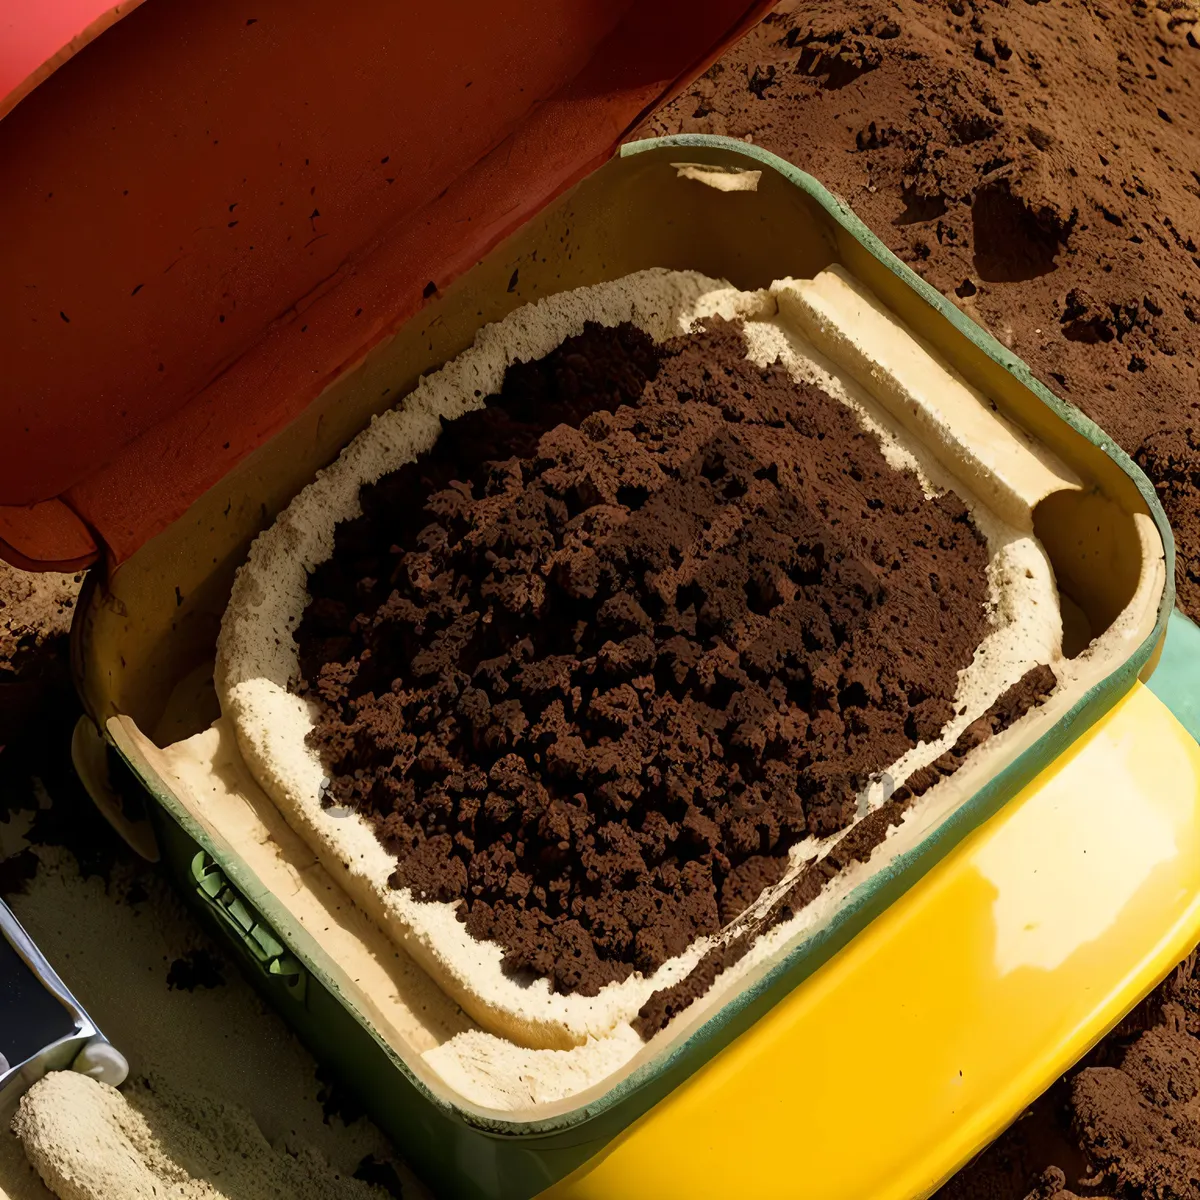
(627,634)
(1039,164)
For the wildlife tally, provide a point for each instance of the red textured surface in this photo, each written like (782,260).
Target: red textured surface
(224,211)
(38,36)
(47,536)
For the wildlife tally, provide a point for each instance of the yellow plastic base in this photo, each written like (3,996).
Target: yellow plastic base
(924,1038)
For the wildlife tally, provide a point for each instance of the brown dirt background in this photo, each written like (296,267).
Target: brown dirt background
(1036,161)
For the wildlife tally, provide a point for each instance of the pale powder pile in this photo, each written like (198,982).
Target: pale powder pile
(90,1142)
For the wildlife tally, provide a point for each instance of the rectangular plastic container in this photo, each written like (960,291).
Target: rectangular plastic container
(144,640)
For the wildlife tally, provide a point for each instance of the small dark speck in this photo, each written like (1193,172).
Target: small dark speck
(125,192)
(251,20)
(221,318)
(469,82)
(225,446)
(228,506)
(512,283)
(391,180)
(178,597)
(231,224)
(303,328)
(385,391)
(358,312)
(68,319)
(162,366)
(386,158)
(316,212)
(137,289)
(382,1174)
(430,289)
(233,206)
(196,969)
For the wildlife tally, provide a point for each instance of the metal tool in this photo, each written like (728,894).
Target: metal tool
(42,1026)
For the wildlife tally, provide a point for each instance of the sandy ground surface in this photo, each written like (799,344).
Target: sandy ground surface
(1036,161)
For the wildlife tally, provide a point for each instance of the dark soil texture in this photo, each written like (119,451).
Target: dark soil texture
(1036,162)
(198,968)
(625,636)
(1039,164)
(35,616)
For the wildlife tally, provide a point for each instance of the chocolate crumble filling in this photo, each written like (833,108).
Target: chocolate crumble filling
(625,635)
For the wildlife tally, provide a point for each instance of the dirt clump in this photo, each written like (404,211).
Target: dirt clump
(626,635)
(35,617)
(1137,1121)
(1171,457)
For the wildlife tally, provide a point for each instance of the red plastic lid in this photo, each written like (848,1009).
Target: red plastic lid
(36,39)
(214,209)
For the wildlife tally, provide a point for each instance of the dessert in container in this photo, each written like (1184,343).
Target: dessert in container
(955,982)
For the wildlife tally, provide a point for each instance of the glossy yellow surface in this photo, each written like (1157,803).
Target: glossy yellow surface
(927,1035)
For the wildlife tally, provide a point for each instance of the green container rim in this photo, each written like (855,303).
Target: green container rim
(653,1080)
